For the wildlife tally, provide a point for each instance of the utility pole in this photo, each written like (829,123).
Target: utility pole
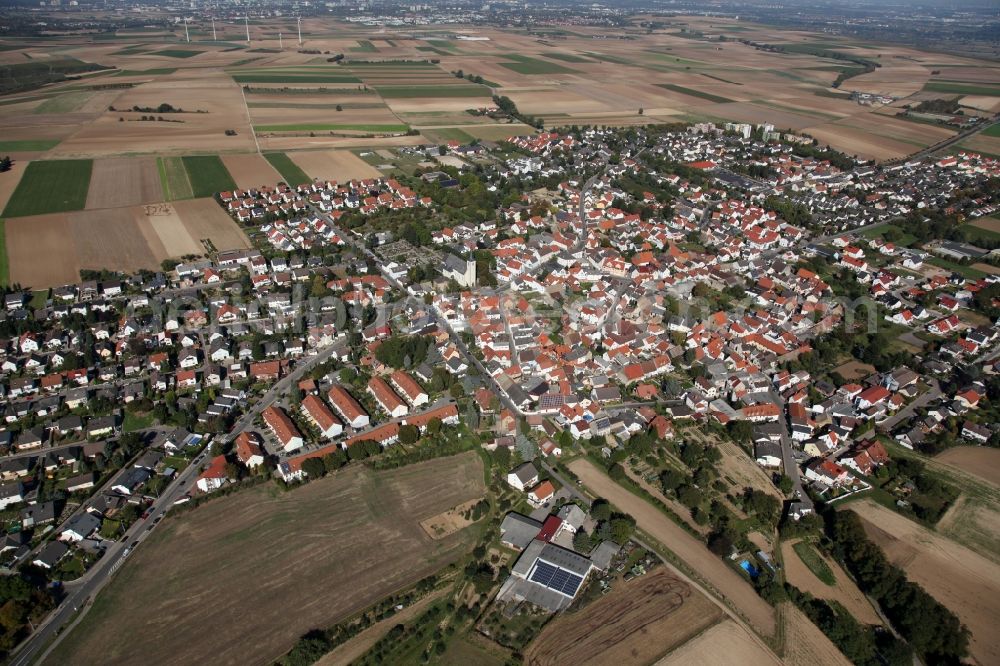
(300,31)
(246,20)
(214,38)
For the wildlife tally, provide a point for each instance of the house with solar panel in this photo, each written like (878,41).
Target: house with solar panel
(547,576)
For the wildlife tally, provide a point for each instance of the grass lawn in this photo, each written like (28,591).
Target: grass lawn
(4,263)
(527,65)
(28,145)
(325,127)
(174,179)
(959,88)
(38,299)
(402,92)
(814,562)
(694,93)
(967,271)
(51,186)
(135,421)
(208,175)
(992,131)
(178,53)
(295,78)
(878,231)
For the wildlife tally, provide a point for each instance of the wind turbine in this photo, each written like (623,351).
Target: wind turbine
(281,44)
(214,38)
(186,34)
(299,19)
(246,20)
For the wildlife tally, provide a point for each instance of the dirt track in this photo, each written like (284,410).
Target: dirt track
(695,554)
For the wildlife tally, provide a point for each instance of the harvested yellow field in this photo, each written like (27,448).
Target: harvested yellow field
(117,182)
(845,591)
(964,581)
(725,644)
(250,170)
(805,643)
(338,165)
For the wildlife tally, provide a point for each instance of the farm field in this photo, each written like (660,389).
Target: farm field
(9,181)
(250,170)
(717,647)
(124,181)
(636,623)
(804,642)
(173,178)
(289,170)
(50,250)
(207,175)
(328,549)
(338,165)
(844,591)
(688,549)
(49,187)
(964,581)
(980,461)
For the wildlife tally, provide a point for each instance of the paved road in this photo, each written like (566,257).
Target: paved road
(788,462)
(934,393)
(81,592)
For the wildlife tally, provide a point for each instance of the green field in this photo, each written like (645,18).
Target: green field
(52,186)
(28,145)
(174,179)
(814,562)
(992,131)
(443,134)
(178,53)
(364,46)
(4,263)
(879,231)
(288,169)
(156,71)
(132,50)
(65,103)
(966,271)
(565,57)
(401,92)
(332,127)
(959,88)
(694,93)
(208,175)
(528,65)
(973,234)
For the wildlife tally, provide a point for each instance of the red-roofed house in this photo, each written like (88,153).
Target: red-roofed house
(214,477)
(541,493)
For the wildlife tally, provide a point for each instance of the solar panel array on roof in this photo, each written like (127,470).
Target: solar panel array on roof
(555,578)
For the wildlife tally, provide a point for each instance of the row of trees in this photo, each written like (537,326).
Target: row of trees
(934,631)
